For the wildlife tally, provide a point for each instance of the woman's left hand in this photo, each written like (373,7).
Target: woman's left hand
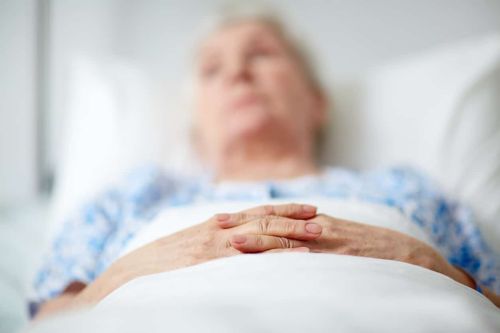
(357,239)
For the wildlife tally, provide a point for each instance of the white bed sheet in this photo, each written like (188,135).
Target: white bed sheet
(291,292)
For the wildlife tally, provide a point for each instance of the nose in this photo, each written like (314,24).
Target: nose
(238,70)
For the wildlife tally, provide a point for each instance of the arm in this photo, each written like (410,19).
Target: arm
(452,227)
(80,250)
(61,302)
(78,294)
(352,238)
(492,296)
(469,281)
(75,252)
(461,276)
(194,245)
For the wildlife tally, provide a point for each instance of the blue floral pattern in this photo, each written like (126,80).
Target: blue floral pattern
(92,239)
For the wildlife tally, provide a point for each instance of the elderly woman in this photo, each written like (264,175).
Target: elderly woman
(259,110)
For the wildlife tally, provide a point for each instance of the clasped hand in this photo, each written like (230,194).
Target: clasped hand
(277,228)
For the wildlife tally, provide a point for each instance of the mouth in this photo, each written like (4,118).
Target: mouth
(244,102)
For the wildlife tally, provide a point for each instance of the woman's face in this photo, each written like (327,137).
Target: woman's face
(250,86)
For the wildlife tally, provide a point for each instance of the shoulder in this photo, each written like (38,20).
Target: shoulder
(145,187)
(399,181)
(148,185)
(402,176)
(146,179)
(397,174)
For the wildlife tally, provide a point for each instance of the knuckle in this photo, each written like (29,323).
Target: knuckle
(290,228)
(285,243)
(213,220)
(288,209)
(294,208)
(268,209)
(259,242)
(265,223)
(240,217)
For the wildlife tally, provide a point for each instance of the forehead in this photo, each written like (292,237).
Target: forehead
(240,33)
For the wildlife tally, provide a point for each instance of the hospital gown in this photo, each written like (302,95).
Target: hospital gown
(92,239)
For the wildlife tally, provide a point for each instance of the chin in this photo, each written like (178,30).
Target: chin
(248,125)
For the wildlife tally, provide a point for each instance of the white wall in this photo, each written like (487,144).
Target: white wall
(360,33)
(17,101)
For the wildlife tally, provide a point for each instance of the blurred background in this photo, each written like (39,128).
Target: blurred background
(89,89)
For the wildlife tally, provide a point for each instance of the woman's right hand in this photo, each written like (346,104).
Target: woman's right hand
(207,241)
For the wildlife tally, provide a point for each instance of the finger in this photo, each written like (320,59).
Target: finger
(291,210)
(281,227)
(296,211)
(260,243)
(295,249)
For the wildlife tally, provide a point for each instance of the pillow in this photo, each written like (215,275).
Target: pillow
(439,111)
(470,152)
(116,119)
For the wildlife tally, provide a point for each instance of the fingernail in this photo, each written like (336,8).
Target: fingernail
(308,208)
(239,239)
(313,228)
(222,217)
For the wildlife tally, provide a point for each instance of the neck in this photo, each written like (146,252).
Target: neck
(256,164)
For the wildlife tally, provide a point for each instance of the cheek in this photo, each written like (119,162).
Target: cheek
(206,112)
(288,92)
(210,100)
